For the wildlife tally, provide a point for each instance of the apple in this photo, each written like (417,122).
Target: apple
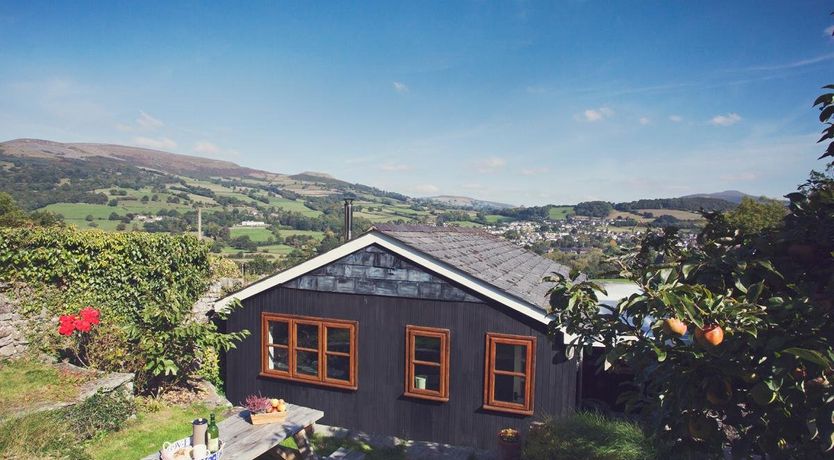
(710,335)
(674,326)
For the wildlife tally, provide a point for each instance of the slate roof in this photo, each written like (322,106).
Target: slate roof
(484,256)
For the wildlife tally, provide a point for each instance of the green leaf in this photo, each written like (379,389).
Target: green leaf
(812,356)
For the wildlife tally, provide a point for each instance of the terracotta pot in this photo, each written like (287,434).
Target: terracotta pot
(509,450)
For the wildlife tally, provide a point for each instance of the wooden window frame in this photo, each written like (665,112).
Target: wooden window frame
(529,374)
(323,324)
(411,334)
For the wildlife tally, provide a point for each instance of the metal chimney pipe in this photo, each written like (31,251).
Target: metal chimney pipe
(348,230)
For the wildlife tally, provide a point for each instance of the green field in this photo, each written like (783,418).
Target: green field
(495,218)
(464,223)
(560,212)
(256,234)
(293,205)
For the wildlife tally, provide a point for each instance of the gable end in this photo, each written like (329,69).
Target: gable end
(374,270)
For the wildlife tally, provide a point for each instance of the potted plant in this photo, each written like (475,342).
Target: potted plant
(265,410)
(509,444)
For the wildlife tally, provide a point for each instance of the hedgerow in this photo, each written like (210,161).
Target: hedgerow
(144,284)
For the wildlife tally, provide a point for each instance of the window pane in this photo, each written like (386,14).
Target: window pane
(279,359)
(427,349)
(338,367)
(307,336)
(509,388)
(278,332)
(307,362)
(427,377)
(338,339)
(510,357)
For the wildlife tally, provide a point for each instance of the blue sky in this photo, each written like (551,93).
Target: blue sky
(520,102)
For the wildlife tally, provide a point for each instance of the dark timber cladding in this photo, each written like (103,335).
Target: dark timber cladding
(384,293)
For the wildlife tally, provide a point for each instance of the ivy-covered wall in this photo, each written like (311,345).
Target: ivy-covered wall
(144,284)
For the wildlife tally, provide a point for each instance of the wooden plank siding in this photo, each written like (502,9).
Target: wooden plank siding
(378,405)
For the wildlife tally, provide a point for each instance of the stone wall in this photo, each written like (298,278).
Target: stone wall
(13,343)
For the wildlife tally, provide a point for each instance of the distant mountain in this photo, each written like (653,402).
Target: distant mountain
(467,202)
(733,196)
(172,163)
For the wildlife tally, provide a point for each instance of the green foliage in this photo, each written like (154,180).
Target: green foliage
(754,216)
(593,263)
(764,389)
(99,413)
(588,436)
(593,208)
(144,284)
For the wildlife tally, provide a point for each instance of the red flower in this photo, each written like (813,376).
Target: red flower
(82,325)
(90,314)
(67,326)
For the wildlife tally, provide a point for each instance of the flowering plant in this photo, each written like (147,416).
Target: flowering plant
(509,435)
(82,323)
(257,404)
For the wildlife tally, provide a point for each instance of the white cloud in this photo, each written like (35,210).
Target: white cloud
(472,186)
(148,122)
(162,143)
(726,120)
(395,167)
(675,118)
(644,121)
(592,115)
(400,87)
(491,164)
(535,171)
(206,147)
(425,188)
(828,32)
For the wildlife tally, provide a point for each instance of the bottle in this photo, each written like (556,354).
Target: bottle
(213,435)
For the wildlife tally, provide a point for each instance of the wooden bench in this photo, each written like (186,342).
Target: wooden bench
(244,441)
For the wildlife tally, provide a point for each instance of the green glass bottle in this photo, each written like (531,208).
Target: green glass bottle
(213,435)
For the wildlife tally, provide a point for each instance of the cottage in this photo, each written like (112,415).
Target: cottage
(426,333)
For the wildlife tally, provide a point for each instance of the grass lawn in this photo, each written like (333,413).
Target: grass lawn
(148,431)
(559,212)
(27,383)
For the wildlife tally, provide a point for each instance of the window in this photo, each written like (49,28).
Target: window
(509,373)
(315,350)
(427,363)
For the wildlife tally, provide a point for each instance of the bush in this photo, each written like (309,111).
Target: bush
(99,413)
(590,436)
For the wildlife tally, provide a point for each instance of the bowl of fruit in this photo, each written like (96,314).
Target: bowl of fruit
(265,410)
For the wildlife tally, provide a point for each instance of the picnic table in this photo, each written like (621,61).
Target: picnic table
(244,441)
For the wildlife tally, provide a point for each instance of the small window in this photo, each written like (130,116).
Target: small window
(315,350)
(509,373)
(427,363)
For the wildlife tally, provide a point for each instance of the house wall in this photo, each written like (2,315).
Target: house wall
(378,405)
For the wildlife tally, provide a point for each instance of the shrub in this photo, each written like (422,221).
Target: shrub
(589,436)
(99,413)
